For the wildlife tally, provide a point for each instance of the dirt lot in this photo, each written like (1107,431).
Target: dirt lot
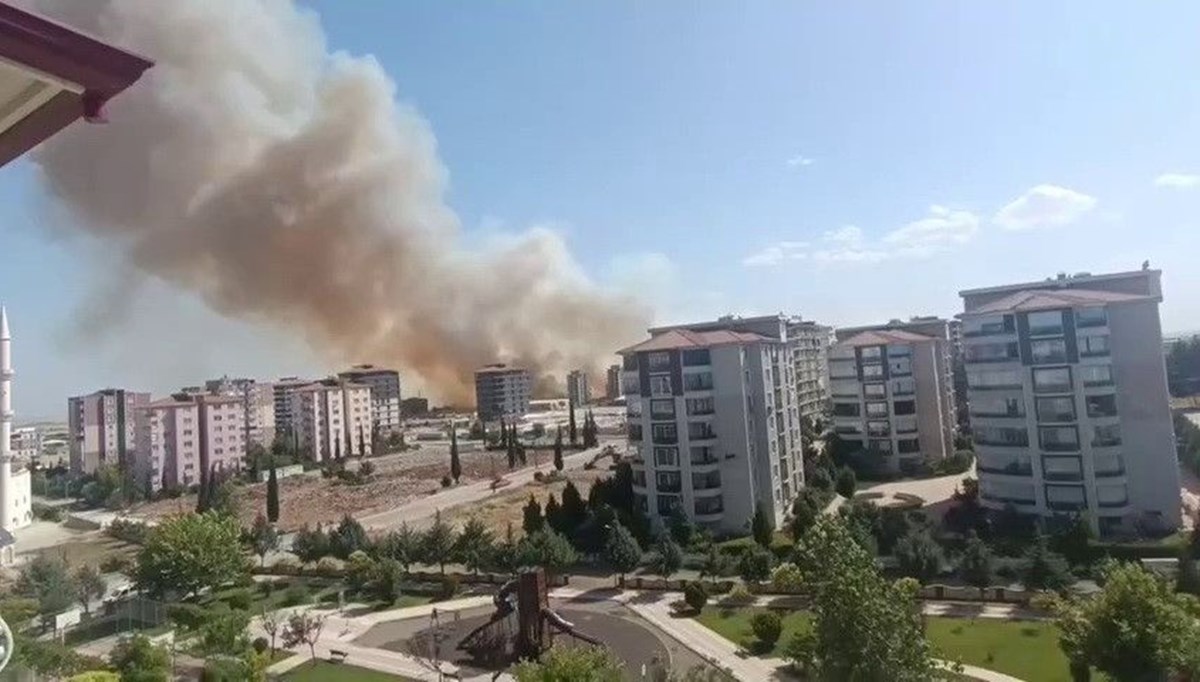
(498,511)
(398,478)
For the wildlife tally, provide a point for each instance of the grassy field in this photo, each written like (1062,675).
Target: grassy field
(1027,650)
(324,671)
(287,592)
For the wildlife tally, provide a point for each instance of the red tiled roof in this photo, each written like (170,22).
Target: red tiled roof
(882,337)
(686,338)
(1046,299)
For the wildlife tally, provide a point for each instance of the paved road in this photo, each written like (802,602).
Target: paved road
(419,513)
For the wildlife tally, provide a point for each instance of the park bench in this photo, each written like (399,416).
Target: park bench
(337,656)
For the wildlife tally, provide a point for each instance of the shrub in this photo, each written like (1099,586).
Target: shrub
(767,627)
(261,644)
(846,482)
(239,599)
(448,587)
(740,594)
(446,481)
(295,596)
(801,650)
(696,595)
(328,566)
(286,565)
(116,564)
(47,512)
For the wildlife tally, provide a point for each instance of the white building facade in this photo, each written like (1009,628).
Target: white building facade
(16,498)
(183,436)
(712,417)
(385,395)
(258,404)
(331,419)
(1068,400)
(102,428)
(579,392)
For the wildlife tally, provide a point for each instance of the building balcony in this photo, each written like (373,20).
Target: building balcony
(669,487)
(1109,442)
(1014,469)
(709,515)
(1112,473)
(1066,506)
(1059,447)
(1013,443)
(706,483)
(1001,501)
(665,440)
(1068,476)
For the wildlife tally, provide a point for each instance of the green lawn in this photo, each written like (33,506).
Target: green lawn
(324,671)
(286,592)
(1028,650)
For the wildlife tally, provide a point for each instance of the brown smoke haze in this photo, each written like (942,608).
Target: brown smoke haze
(285,185)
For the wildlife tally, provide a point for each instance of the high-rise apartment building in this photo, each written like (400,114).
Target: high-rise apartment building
(612,383)
(502,392)
(258,403)
(385,395)
(1068,399)
(892,394)
(578,390)
(102,428)
(281,391)
(187,434)
(332,418)
(713,418)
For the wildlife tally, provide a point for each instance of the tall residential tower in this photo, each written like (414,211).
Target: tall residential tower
(16,509)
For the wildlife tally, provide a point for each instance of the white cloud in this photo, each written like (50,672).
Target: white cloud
(1178,180)
(1044,206)
(943,228)
(799,160)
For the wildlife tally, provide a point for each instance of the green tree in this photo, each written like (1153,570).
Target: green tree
(695,595)
(304,627)
(387,580)
(1134,629)
(263,538)
(681,527)
(504,556)
(402,545)
(273,495)
(310,545)
(223,631)
(48,580)
(138,660)
(762,527)
(668,557)
(532,520)
(571,430)
(715,563)
(455,464)
(767,626)
(846,482)
(474,545)
(437,544)
(865,627)
(223,495)
(803,517)
(918,556)
(621,550)
(89,586)
(348,538)
(573,509)
(554,515)
(558,450)
(975,567)
(547,549)
(755,564)
(571,664)
(1072,537)
(190,552)
(1044,569)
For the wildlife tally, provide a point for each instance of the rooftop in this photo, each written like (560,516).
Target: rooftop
(1062,281)
(882,337)
(51,75)
(1049,299)
(499,368)
(680,338)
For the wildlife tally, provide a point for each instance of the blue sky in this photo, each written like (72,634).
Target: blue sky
(849,162)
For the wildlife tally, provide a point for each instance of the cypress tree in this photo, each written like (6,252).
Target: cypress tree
(455,465)
(272,495)
(571,426)
(202,492)
(362,449)
(558,453)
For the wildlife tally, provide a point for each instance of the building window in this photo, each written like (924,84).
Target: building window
(1101,405)
(1095,375)
(696,357)
(1046,322)
(908,445)
(1093,346)
(1004,491)
(1062,469)
(899,351)
(1066,497)
(904,387)
(1060,409)
(668,504)
(900,367)
(1056,380)
(1091,317)
(990,352)
(1106,436)
(997,406)
(1005,463)
(877,409)
(700,381)
(846,409)
(665,434)
(668,481)
(703,454)
(1112,495)
(660,361)
(872,371)
(879,429)
(987,325)
(1058,438)
(993,379)
(871,352)
(699,406)
(700,431)
(662,409)
(666,457)
(1002,436)
(660,385)
(635,432)
(904,407)
(875,390)
(1048,351)
(709,504)
(883,447)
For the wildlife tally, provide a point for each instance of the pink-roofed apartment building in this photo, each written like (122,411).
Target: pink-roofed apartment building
(186,434)
(893,393)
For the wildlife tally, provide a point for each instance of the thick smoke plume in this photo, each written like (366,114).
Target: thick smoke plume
(286,185)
